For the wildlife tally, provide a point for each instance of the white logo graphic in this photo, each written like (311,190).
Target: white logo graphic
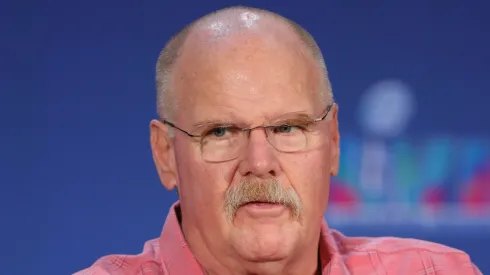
(386,108)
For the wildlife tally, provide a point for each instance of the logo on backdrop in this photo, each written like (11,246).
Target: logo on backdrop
(386,177)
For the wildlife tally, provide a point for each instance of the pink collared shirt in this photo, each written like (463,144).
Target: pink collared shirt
(340,255)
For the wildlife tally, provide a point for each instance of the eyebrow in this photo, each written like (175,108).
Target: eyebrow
(300,115)
(296,115)
(211,122)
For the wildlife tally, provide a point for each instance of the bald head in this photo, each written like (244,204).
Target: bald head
(222,33)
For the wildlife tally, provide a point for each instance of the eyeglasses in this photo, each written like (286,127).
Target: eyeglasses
(289,134)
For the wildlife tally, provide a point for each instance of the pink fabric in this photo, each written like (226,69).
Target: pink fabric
(169,255)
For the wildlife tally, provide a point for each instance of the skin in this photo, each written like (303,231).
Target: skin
(248,76)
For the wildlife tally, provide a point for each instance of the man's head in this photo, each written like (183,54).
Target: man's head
(221,24)
(256,140)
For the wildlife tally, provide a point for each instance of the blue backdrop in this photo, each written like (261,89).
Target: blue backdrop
(77,94)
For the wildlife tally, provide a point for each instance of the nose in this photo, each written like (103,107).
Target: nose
(259,157)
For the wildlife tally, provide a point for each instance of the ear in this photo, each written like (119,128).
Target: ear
(162,148)
(334,141)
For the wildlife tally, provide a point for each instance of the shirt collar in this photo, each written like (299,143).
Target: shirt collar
(178,259)
(330,258)
(176,255)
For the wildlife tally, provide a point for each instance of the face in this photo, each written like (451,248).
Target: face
(253,81)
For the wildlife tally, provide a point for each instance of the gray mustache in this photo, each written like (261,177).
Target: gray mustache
(260,190)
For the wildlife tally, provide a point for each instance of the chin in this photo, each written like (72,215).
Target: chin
(264,244)
(266,251)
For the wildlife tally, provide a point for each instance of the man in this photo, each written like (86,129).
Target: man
(248,134)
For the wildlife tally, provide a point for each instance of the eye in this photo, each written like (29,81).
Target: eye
(221,131)
(218,132)
(286,129)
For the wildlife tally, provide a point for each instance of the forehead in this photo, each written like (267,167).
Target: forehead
(247,76)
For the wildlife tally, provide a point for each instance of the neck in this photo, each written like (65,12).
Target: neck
(300,266)
(263,269)
(216,260)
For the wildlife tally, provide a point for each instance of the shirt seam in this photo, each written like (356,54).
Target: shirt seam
(410,249)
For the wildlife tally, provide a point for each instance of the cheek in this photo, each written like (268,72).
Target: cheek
(201,185)
(309,174)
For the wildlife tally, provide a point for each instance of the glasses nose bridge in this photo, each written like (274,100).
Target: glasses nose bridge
(266,129)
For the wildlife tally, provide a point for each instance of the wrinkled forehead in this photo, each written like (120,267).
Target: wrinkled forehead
(245,74)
